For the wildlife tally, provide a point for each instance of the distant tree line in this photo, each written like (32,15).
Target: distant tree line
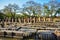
(31,8)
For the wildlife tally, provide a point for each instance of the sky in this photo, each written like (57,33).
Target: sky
(20,2)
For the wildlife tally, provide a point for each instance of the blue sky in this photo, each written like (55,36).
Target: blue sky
(20,2)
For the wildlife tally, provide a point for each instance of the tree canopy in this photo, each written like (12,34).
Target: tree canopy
(2,15)
(10,10)
(32,8)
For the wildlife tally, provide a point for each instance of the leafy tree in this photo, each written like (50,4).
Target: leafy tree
(10,10)
(53,6)
(46,10)
(2,15)
(32,8)
(57,12)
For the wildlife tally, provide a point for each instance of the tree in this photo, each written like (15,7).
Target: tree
(10,10)
(57,12)
(46,10)
(53,4)
(2,15)
(32,8)
(50,8)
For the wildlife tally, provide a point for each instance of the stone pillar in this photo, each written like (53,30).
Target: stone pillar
(24,20)
(49,19)
(19,20)
(44,19)
(54,20)
(5,23)
(8,19)
(15,20)
(39,19)
(5,19)
(12,20)
(0,20)
(28,20)
(34,19)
